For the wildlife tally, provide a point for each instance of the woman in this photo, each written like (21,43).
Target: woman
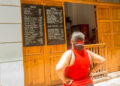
(74,66)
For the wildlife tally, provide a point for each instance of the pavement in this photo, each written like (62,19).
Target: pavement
(112,82)
(113,79)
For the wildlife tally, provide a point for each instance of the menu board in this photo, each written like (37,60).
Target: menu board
(54,25)
(33,25)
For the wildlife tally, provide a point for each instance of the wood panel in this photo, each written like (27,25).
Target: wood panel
(115,12)
(52,57)
(40,61)
(108,32)
(116,51)
(53,52)
(33,59)
(106,38)
(116,27)
(33,50)
(93,2)
(34,70)
(104,29)
(51,61)
(103,13)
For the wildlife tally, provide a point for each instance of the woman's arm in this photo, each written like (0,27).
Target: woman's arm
(97,60)
(62,64)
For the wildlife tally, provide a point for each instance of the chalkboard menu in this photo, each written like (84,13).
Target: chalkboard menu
(33,25)
(54,25)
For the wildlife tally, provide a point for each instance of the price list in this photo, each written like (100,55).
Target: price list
(54,25)
(33,25)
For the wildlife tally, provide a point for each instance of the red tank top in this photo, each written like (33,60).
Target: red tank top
(79,70)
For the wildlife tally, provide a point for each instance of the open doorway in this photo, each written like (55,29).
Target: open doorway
(81,17)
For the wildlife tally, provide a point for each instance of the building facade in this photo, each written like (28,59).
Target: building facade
(12,52)
(11,59)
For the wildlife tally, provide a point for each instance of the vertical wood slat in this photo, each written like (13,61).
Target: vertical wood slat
(102,51)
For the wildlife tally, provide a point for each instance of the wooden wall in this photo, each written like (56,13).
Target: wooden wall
(108,19)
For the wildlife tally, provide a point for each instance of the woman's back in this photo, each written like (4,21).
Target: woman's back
(77,73)
(79,70)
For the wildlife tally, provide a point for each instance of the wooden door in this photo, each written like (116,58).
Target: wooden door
(40,60)
(53,50)
(108,24)
(115,12)
(33,49)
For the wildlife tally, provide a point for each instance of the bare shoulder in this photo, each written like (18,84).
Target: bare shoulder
(67,53)
(96,58)
(63,62)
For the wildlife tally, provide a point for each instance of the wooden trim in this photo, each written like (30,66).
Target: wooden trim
(46,2)
(34,54)
(45,33)
(64,26)
(52,3)
(95,45)
(92,2)
(104,21)
(115,20)
(108,20)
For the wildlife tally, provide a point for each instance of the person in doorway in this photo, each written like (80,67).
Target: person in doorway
(75,66)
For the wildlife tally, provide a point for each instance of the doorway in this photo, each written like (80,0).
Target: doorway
(81,17)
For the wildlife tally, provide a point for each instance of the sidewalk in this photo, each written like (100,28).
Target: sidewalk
(112,82)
